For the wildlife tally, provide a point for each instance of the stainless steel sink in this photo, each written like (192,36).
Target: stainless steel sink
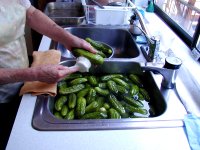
(167,110)
(119,39)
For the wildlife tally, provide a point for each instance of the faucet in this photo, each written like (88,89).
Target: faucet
(169,71)
(152,41)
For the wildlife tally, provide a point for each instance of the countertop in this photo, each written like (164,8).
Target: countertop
(24,136)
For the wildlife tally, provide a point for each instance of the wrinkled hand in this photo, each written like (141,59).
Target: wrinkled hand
(52,73)
(75,41)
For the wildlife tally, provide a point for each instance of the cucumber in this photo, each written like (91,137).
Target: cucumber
(103,92)
(64,110)
(57,115)
(71,100)
(102,85)
(78,81)
(70,115)
(60,102)
(135,79)
(94,58)
(95,115)
(80,107)
(112,86)
(71,89)
(132,109)
(83,92)
(92,80)
(132,101)
(99,46)
(113,114)
(121,82)
(145,94)
(91,96)
(72,76)
(116,104)
(100,100)
(134,90)
(91,107)
(122,89)
(110,76)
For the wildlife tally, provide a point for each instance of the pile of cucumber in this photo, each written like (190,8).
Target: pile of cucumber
(103,51)
(107,96)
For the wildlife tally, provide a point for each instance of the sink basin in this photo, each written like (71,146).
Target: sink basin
(120,40)
(163,116)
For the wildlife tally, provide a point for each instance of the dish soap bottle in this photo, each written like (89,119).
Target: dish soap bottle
(150,7)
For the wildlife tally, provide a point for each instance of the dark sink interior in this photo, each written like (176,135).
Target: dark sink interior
(120,40)
(43,118)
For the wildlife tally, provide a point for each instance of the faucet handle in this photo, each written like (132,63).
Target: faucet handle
(172,62)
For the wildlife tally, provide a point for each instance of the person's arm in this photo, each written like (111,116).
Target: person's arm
(38,21)
(46,73)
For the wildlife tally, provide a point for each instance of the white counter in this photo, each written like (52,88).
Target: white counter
(24,137)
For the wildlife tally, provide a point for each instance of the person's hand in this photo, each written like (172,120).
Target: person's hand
(52,73)
(75,41)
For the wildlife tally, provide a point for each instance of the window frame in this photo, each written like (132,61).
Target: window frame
(190,41)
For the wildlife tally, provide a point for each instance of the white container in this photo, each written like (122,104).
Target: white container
(112,15)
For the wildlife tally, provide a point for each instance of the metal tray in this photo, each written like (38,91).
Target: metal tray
(43,118)
(65,13)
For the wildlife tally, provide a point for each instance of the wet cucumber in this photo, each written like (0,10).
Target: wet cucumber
(80,107)
(113,114)
(94,58)
(132,109)
(135,79)
(78,81)
(132,101)
(95,115)
(134,90)
(71,89)
(91,107)
(60,102)
(64,110)
(58,115)
(121,82)
(70,115)
(102,85)
(122,89)
(99,46)
(71,100)
(145,94)
(112,86)
(92,80)
(116,104)
(83,92)
(110,76)
(72,76)
(103,92)
(91,96)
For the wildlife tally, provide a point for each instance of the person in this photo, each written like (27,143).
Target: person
(14,63)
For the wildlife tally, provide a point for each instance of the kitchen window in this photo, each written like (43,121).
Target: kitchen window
(183,16)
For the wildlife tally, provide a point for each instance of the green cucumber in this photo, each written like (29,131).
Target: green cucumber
(72,100)
(113,114)
(71,89)
(78,81)
(60,102)
(95,115)
(116,104)
(80,107)
(91,96)
(99,46)
(103,92)
(94,58)
(112,86)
